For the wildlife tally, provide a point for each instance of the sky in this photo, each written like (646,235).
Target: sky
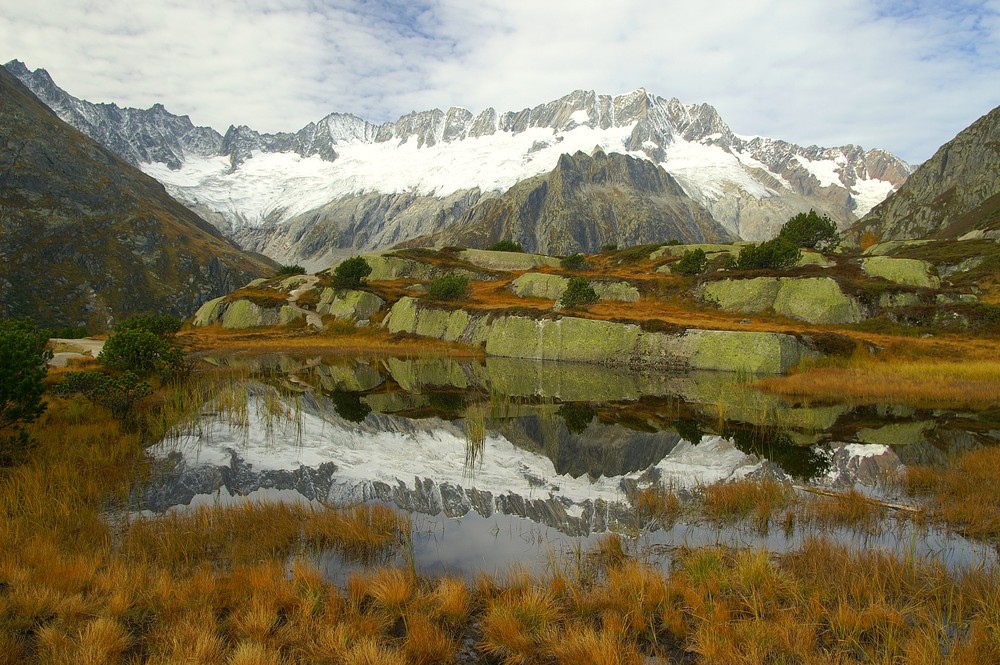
(903,76)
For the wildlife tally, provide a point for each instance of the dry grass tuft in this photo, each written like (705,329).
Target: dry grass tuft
(742,499)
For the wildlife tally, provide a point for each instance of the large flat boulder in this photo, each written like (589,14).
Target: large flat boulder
(516,261)
(246,314)
(809,299)
(908,272)
(552,287)
(815,300)
(742,295)
(349,304)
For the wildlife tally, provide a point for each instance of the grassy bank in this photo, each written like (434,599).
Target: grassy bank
(81,581)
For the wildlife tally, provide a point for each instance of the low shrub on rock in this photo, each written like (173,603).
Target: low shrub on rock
(578,292)
(348,274)
(448,287)
(777,254)
(693,262)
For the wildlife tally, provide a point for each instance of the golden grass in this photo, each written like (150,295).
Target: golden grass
(965,496)
(229,585)
(973,382)
(743,499)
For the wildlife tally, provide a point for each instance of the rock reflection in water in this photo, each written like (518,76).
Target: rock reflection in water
(559,446)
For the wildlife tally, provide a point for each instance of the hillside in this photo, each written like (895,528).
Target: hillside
(85,238)
(954,193)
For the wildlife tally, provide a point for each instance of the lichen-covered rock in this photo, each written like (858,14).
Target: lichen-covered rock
(350,304)
(492,260)
(569,338)
(551,287)
(812,259)
(288,314)
(208,313)
(256,282)
(809,299)
(403,316)
(291,282)
(815,300)
(742,295)
(245,314)
(737,351)
(909,272)
(539,285)
(900,299)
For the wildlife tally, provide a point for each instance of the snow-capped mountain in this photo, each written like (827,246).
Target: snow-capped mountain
(371,186)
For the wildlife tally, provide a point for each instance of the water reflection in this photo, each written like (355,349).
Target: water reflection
(552,450)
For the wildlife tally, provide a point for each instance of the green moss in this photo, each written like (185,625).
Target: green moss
(742,295)
(908,272)
(815,300)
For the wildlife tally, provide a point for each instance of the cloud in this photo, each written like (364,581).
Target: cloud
(906,76)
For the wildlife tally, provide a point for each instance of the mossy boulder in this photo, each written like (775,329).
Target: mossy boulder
(349,304)
(815,300)
(737,351)
(908,272)
(569,338)
(539,285)
(289,314)
(809,299)
(492,260)
(552,287)
(208,313)
(742,295)
(245,314)
(407,316)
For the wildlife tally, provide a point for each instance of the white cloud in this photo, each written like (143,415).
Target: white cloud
(903,76)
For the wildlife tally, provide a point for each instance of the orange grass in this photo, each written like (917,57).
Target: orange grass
(963,384)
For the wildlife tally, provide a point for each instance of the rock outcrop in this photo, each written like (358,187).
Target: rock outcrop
(809,299)
(594,341)
(954,193)
(552,287)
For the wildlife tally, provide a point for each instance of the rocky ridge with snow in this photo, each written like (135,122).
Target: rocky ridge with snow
(370,186)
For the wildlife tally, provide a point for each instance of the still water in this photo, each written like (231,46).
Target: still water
(511,462)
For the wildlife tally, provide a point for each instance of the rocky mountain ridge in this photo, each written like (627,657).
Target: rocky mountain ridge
(956,192)
(334,172)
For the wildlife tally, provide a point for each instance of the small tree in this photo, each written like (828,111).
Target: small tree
(288,271)
(140,351)
(506,246)
(349,273)
(23,365)
(574,262)
(777,254)
(809,229)
(693,262)
(578,292)
(448,287)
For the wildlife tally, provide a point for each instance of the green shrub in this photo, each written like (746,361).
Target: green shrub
(348,274)
(777,254)
(163,325)
(288,271)
(809,229)
(577,416)
(574,262)
(23,366)
(506,246)
(448,287)
(578,292)
(693,262)
(142,352)
(68,332)
(118,393)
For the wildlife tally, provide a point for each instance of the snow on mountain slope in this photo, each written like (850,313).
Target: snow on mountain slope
(248,180)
